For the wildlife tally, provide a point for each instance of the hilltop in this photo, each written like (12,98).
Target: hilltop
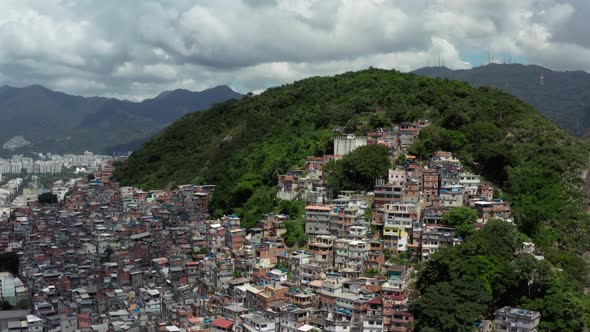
(561,96)
(57,122)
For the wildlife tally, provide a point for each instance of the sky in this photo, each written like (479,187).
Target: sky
(135,49)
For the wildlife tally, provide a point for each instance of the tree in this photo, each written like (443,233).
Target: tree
(21,305)
(378,120)
(262,201)
(371,272)
(5,305)
(294,209)
(359,169)
(560,306)
(47,198)
(9,262)
(401,160)
(451,306)
(108,252)
(463,218)
(295,235)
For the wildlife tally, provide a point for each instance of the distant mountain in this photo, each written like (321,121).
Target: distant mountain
(563,97)
(57,122)
(179,102)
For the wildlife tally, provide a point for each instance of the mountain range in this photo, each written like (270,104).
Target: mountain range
(562,96)
(60,123)
(56,122)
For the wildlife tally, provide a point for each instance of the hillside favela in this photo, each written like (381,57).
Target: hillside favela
(294,166)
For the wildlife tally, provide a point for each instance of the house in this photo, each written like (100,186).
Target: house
(317,220)
(373,320)
(258,323)
(430,183)
(396,176)
(511,319)
(470,182)
(435,237)
(496,209)
(388,193)
(222,325)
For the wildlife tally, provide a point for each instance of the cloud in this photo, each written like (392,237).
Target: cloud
(136,48)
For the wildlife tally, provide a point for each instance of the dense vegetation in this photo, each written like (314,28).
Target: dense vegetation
(47,198)
(463,218)
(466,283)
(359,169)
(242,147)
(295,235)
(9,262)
(563,97)
(60,123)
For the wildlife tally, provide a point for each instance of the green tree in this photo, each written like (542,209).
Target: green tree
(359,169)
(463,218)
(108,252)
(262,201)
(295,234)
(560,306)
(5,305)
(451,306)
(295,209)
(378,120)
(47,198)
(21,305)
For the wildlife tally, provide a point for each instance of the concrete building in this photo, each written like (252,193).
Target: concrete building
(317,220)
(470,182)
(516,320)
(13,320)
(344,145)
(257,323)
(11,288)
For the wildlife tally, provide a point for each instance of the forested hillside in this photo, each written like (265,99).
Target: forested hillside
(561,96)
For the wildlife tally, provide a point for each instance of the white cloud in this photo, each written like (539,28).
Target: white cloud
(137,48)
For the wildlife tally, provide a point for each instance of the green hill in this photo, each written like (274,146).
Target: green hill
(242,146)
(561,96)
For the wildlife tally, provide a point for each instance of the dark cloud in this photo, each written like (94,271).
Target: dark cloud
(137,48)
(575,29)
